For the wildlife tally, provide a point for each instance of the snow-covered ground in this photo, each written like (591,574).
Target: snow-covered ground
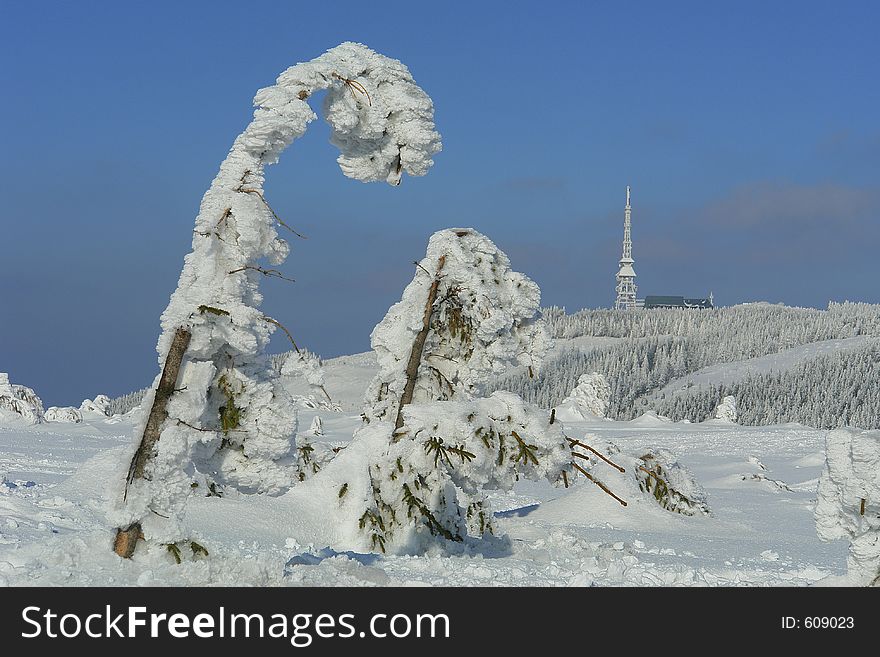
(760,484)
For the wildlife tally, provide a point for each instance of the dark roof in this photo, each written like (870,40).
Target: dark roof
(665,301)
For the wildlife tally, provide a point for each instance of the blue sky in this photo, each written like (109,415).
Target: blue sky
(747,130)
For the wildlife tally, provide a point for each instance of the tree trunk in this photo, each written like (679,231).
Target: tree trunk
(127,538)
(415,356)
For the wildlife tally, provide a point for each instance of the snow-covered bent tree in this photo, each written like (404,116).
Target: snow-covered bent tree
(217,407)
(433,445)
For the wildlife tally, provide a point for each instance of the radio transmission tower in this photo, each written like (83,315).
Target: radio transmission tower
(626,276)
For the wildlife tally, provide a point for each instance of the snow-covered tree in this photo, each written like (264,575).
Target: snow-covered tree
(217,404)
(465,316)
(726,410)
(317,426)
(100,405)
(63,414)
(661,345)
(671,484)
(305,364)
(429,480)
(127,402)
(19,402)
(827,392)
(848,505)
(589,398)
(433,447)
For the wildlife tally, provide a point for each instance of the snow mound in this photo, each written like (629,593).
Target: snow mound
(849,500)
(589,399)
(650,419)
(19,403)
(63,414)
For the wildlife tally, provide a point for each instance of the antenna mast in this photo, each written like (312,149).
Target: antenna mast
(626,275)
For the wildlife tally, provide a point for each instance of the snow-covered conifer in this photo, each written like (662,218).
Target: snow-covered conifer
(671,485)
(726,410)
(19,402)
(63,414)
(317,426)
(464,316)
(100,405)
(848,505)
(216,403)
(305,364)
(589,398)
(429,481)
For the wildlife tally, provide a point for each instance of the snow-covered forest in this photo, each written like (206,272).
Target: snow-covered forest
(656,347)
(828,392)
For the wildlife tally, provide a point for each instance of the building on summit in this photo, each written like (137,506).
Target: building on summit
(626,278)
(678,302)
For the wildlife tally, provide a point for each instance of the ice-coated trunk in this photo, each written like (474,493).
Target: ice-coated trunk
(418,348)
(159,409)
(127,537)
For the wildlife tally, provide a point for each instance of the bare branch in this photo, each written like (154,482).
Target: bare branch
(597,482)
(192,426)
(581,456)
(293,342)
(274,214)
(272,273)
(354,85)
(283,328)
(226,213)
(578,443)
